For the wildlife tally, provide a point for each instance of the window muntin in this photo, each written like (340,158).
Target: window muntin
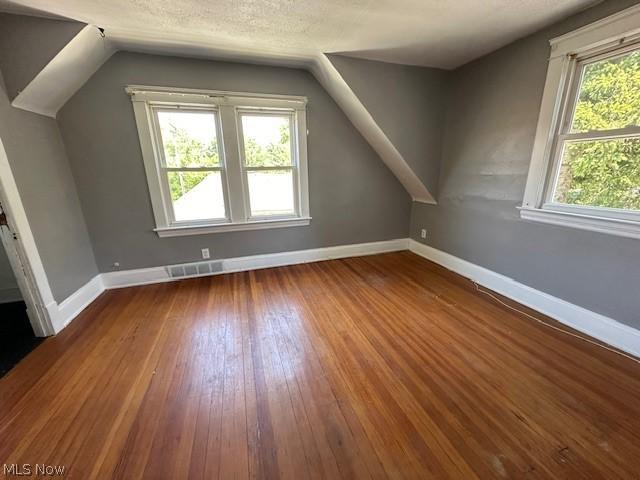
(598,148)
(268,164)
(190,164)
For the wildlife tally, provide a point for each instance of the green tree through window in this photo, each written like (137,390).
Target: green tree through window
(604,173)
(182,150)
(272,154)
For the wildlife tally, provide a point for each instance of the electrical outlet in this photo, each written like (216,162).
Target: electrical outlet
(205,253)
(423,233)
(116,266)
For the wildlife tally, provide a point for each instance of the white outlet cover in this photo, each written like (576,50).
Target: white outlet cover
(205,253)
(423,233)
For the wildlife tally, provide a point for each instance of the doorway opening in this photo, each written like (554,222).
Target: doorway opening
(17,337)
(21,254)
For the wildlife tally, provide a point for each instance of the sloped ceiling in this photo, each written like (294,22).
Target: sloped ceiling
(384,102)
(28,44)
(407,103)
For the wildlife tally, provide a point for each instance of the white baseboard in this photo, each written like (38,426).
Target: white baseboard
(593,324)
(9,295)
(144,276)
(71,307)
(67,310)
(132,278)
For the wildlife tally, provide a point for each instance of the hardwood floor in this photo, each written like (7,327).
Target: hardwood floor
(384,366)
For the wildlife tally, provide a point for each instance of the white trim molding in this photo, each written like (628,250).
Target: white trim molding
(598,33)
(590,323)
(231,227)
(144,276)
(23,253)
(73,305)
(582,221)
(569,54)
(143,93)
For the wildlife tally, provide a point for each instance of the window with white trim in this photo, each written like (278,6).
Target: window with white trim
(585,170)
(222,161)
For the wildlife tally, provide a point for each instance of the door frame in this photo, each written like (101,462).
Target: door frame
(23,254)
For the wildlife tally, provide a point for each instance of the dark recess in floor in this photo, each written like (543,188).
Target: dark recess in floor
(16,336)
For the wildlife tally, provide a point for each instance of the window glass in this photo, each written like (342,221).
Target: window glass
(266,140)
(271,192)
(189,138)
(268,164)
(596,168)
(196,195)
(192,164)
(600,173)
(609,94)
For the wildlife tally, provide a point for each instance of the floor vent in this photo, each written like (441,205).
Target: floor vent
(194,269)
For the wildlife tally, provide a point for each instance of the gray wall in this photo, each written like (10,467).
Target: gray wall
(8,285)
(490,127)
(408,104)
(41,170)
(28,44)
(353,196)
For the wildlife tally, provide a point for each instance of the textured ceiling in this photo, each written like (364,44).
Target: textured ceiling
(441,33)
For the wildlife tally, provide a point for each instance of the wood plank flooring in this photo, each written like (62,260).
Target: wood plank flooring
(374,367)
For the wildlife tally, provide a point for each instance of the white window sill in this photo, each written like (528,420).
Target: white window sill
(180,231)
(594,223)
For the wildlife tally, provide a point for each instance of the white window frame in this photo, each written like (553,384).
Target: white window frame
(163,169)
(569,53)
(227,106)
(246,169)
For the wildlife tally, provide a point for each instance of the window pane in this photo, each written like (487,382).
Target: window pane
(196,195)
(601,173)
(609,94)
(189,139)
(271,192)
(266,140)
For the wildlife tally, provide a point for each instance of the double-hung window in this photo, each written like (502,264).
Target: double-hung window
(585,170)
(190,163)
(267,160)
(222,161)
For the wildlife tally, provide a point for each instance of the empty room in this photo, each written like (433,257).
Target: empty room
(338,239)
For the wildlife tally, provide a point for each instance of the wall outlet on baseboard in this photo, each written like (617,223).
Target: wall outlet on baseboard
(423,233)
(205,253)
